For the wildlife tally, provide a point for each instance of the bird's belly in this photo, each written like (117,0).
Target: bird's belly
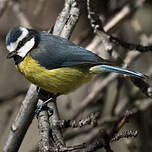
(61,80)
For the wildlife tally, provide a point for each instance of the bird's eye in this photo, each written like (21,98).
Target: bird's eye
(20,43)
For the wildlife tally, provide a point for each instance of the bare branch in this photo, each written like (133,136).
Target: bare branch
(22,122)
(125,134)
(90,120)
(44,130)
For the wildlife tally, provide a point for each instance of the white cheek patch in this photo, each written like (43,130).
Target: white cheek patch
(11,47)
(26,48)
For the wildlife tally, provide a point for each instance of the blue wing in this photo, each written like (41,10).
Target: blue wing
(55,52)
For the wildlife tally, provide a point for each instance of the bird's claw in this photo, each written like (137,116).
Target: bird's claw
(43,107)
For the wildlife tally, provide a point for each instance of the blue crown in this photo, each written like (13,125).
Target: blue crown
(13,35)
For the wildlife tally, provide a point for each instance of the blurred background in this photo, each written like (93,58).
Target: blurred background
(41,15)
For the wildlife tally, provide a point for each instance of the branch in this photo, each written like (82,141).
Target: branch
(125,134)
(68,18)
(44,130)
(123,14)
(55,130)
(89,120)
(22,122)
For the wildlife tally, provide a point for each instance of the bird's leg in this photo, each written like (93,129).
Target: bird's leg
(43,106)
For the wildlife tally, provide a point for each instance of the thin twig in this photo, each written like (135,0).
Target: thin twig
(123,13)
(120,123)
(125,134)
(89,120)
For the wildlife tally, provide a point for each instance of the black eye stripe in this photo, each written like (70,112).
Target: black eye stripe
(22,42)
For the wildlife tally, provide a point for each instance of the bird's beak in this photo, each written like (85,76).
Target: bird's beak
(11,54)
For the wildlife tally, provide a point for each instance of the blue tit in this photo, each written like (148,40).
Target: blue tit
(56,64)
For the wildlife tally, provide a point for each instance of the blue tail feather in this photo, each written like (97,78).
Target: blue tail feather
(109,68)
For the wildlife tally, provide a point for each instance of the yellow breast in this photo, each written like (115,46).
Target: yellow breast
(60,80)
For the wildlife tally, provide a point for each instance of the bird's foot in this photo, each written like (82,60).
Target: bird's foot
(41,107)
(44,106)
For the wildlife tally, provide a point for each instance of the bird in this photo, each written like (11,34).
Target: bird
(56,64)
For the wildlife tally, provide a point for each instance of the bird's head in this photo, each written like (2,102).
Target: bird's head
(19,41)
